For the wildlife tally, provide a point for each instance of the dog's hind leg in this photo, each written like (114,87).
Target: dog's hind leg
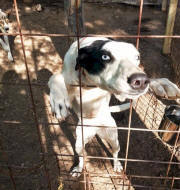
(88,134)
(110,134)
(115,150)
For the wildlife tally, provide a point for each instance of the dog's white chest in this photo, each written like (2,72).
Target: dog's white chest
(93,100)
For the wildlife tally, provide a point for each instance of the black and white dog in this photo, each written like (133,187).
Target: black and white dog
(112,67)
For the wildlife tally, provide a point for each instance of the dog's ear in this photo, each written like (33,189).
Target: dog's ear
(90,57)
(77,64)
(111,38)
(82,58)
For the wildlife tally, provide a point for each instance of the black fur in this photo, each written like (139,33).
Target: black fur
(90,57)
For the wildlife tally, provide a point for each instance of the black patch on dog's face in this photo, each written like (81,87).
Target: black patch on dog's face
(93,58)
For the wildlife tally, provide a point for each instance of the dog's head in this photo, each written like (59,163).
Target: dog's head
(113,66)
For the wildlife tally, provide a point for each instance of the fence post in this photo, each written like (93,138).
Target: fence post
(71,15)
(164,5)
(170,25)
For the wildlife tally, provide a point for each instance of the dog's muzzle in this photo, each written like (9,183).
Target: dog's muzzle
(6,28)
(138,81)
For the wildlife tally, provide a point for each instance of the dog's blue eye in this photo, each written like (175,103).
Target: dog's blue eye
(106,57)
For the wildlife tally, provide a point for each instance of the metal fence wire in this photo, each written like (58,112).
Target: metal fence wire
(47,165)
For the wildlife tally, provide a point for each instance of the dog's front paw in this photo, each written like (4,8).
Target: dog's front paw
(59,99)
(60,107)
(164,88)
(76,172)
(117,166)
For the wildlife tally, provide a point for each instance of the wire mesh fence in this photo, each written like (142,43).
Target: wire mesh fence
(37,152)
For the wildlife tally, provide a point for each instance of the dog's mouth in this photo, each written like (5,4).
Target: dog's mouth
(130,93)
(136,93)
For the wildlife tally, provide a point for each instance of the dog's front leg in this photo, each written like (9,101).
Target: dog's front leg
(4,45)
(164,88)
(10,57)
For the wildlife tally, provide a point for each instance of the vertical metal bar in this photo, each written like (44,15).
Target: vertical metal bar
(131,107)
(139,24)
(88,181)
(31,95)
(130,111)
(172,184)
(80,92)
(129,184)
(128,136)
(124,177)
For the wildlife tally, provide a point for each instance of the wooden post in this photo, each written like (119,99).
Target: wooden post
(170,26)
(71,13)
(164,5)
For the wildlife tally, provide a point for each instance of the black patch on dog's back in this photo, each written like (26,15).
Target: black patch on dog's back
(90,57)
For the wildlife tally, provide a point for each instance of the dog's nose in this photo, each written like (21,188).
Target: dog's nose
(6,28)
(138,81)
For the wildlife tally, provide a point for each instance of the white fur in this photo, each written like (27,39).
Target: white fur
(5,43)
(95,100)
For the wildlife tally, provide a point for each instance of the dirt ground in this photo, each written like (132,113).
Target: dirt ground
(18,131)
